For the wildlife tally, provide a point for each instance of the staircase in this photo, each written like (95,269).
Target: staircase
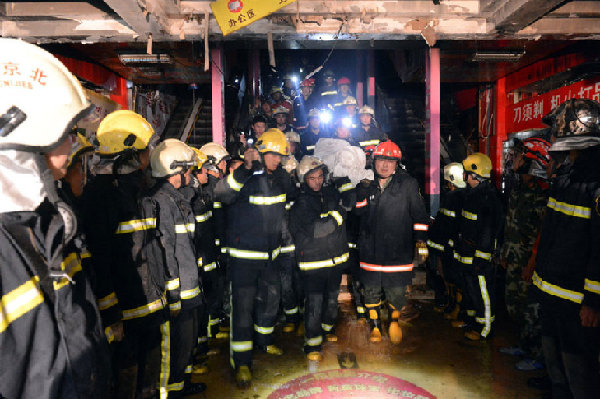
(201,132)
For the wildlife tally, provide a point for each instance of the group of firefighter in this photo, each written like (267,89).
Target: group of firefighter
(114,288)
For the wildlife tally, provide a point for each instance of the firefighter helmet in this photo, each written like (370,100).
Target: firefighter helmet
(576,124)
(201,157)
(276,89)
(366,110)
(281,110)
(454,174)
(171,157)
(328,74)
(80,146)
(313,113)
(307,164)
(273,140)
(535,152)
(343,81)
(349,101)
(40,100)
(123,130)
(292,136)
(215,153)
(388,150)
(307,83)
(478,164)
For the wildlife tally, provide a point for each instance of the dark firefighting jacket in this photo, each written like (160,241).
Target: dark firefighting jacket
(128,286)
(480,223)
(390,223)
(301,109)
(317,223)
(444,230)
(308,140)
(367,139)
(568,259)
(176,226)
(204,237)
(51,340)
(256,211)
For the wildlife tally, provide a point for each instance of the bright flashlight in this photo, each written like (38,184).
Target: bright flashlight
(295,79)
(325,116)
(347,122)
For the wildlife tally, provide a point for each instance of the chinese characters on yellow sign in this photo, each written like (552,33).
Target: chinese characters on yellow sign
(232,15)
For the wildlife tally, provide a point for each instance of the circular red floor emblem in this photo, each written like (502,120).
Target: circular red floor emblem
(235,5)
(349,383)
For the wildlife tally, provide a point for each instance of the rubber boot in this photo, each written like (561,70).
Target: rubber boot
(243,377)
(375,326)
(395,330)
(289,327)
(314,356)
(452,312)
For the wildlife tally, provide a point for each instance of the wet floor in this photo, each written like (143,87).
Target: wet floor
(433,356)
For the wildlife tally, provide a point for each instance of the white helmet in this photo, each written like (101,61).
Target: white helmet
(454,174)
(292,136)
(40,100)
(170,157)
(215,153)
(365,109)
(308,163)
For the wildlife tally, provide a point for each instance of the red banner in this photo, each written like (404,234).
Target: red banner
(528,114)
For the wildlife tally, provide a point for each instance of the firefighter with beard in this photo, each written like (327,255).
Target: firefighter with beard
(256,197)
(480,223)
(443,234)
(317,223)
(51,340)
(393,228)
(526,206)
(567,271)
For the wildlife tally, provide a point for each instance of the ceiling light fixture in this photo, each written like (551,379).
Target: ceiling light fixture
(498,56)
(145,58)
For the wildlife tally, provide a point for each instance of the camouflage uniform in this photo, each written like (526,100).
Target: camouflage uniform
(526,206)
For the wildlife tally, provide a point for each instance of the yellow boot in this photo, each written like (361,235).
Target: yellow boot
(375,331)
(273,350)
(314,356)
(395,330)
(243,377)
(453,314)
(300,330)
(289,327)
(200,369)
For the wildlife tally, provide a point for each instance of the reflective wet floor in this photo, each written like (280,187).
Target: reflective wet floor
(433,360)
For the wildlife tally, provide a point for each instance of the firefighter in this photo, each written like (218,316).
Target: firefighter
(130,296)
(526,205)
(256,196)
(343,92)
(367,134)
(443,234)
(317,223)
(51,340)
(304,103)
(328,92)
(290,162)
(567,268)
(479,228)
(71,186)
(281,119)
(393,227)
(313,132)
(172,162)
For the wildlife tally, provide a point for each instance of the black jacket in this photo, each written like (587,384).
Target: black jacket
(390,223)
(256,212)
(568,259)
(370,138)
(480,224)
(317,223)
(51,340)
(444,230)
(206,248)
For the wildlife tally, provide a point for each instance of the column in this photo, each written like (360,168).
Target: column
(432,132)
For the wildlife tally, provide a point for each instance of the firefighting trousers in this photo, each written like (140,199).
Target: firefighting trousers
(391,285)
(322,287)
(353,269)
(184,336)
(292,291)
(203,319)
(212,285)
(570,350)
(255,295)
(136,360)
(480,288)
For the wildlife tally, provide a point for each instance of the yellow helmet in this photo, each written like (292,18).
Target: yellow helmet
(479,164)
(201,157)
(170,157)
(273,140)
(122,130)
(80,146)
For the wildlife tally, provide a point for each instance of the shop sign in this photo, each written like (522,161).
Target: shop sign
(528,113)
(232,15)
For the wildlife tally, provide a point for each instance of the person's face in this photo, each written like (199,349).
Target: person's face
(314,122)
(385,167)
(329,80)
(342,132)
(266,108)
(222,166)
(365,119)
(306,90)
(351,110)
(314,180)
(58,158)
(259,128)
(76,178)
(471,180)
(344,90)
(276,96)
(202,175)
(272,161)
(144,158)
(289,84)
(281,119)
(293,147)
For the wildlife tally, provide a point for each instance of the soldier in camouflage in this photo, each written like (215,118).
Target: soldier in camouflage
(526,205)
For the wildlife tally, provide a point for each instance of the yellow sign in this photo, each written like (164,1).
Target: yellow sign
(235,14)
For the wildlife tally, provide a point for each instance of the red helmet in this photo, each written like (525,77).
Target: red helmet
(343,81)
(536,149)
(307,82)
(388,150)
